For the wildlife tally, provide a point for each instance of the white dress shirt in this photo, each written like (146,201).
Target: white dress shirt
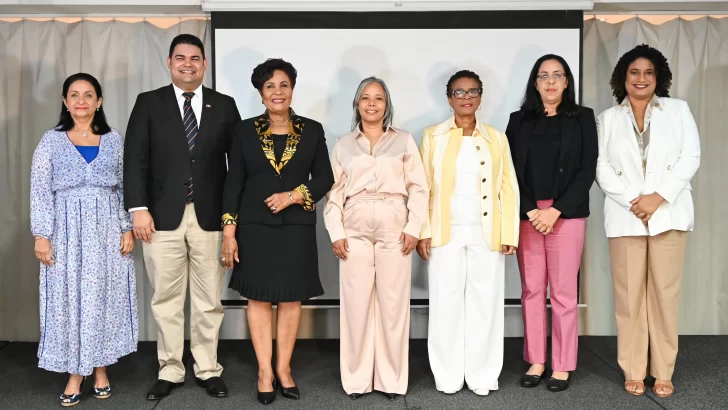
(196,108)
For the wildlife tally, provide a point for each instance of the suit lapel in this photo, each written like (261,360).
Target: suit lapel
(658,126)
(524,140)
(295,130)
(170,100)
(567,131)
(177,123)
(207,113)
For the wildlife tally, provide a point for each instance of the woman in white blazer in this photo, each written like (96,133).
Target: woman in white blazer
(649,150)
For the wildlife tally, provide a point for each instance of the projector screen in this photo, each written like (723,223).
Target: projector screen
(414,53)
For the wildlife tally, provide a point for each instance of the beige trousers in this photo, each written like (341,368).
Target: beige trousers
(174,258)
(375,296)
(646,271)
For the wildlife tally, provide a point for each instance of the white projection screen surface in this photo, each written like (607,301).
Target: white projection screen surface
(415,54)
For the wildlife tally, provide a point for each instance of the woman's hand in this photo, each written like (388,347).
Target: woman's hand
(229,253)
(127,243)
(408,242)
(508,249)
(43,251)
(545,219)
(645,205)
(424,248)
(341,249)
(280,201)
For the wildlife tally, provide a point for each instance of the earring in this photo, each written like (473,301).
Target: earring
(97,109)
(480,106)
(452,109)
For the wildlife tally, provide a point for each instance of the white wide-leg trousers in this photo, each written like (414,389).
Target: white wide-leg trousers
(466,323)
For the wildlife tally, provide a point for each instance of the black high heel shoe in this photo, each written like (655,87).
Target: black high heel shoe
(69,400)
(289,392)
(268,397)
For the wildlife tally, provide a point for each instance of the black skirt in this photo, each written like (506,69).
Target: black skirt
(278,263)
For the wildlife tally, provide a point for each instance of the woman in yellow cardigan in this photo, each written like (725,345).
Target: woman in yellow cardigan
(473,222)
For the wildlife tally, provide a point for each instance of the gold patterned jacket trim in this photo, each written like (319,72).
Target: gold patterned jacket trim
(262,127)
(308,202)
(230,219)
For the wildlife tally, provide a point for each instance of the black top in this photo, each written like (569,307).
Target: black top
(158,162)
(542,159)
(575,160)
(279,145)
(252,177)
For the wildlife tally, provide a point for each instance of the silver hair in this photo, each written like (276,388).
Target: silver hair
(388,111)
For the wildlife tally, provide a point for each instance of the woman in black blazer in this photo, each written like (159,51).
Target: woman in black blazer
(554,148)
(278,169)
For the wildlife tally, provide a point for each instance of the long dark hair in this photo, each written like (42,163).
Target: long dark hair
(662,71)
(98,124)
(532,105)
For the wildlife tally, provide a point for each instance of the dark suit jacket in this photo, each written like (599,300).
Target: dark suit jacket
(252,177)
(577,161)
(158,163)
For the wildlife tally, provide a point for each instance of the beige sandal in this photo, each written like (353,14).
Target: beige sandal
(670,389)
(639,386)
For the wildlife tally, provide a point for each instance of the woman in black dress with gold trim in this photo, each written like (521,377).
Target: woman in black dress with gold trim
(278,169)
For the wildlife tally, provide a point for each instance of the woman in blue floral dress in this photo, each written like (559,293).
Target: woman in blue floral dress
(83,239)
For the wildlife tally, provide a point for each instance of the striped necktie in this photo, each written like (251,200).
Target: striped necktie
(191,130)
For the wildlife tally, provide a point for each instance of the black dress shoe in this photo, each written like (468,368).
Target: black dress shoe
(530,380)
(390,396)
(355,396)
(289,392)
(161,389)
(557,385)
(267,397)
(214,386)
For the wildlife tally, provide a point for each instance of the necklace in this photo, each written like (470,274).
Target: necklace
(84,133)
(280,123)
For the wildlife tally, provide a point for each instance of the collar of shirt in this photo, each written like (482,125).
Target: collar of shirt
(178,92)
(450,124)
(654,103)
(357,132)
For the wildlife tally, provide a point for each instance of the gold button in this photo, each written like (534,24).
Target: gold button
(482,162)
(477,147)
(485,214)
(483,179)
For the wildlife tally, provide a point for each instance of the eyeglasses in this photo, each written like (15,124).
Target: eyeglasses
(460,93)
(556,76)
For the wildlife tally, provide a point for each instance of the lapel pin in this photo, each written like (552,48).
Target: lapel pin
(208,106)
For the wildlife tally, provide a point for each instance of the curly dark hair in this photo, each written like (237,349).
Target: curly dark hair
(264,71)
(658,60)
(463,74)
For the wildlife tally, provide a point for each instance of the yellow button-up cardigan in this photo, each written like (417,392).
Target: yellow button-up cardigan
(499,188)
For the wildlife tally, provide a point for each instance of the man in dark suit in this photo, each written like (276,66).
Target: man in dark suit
(174,172)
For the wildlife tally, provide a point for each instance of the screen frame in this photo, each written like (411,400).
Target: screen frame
(484,19)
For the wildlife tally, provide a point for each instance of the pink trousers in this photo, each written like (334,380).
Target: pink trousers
(552,260)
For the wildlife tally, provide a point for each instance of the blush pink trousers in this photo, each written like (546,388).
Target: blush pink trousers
(551,260)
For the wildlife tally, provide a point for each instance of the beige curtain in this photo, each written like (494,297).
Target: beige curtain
(697,52)
(127,58)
